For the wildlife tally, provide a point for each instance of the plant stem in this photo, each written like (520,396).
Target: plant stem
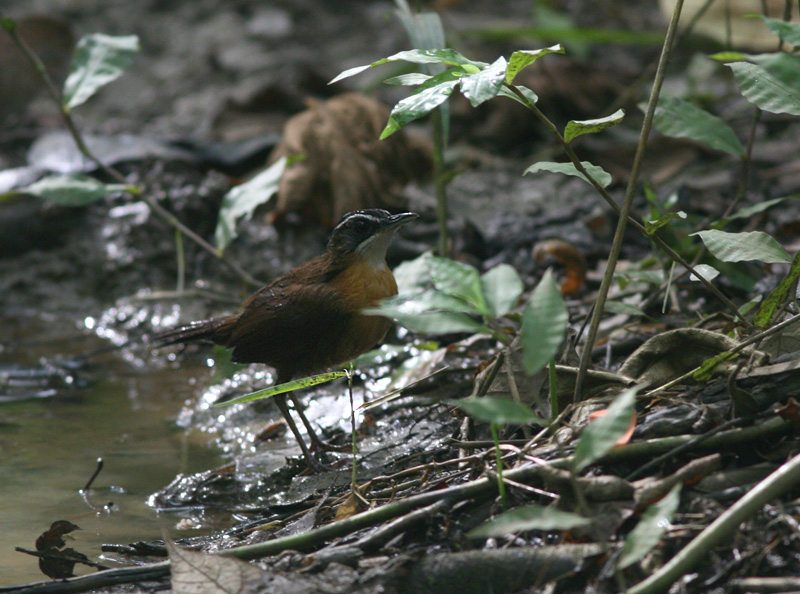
(80,143)
(553,377)
(352,426)
(627,203)
(501,486)
(440,180)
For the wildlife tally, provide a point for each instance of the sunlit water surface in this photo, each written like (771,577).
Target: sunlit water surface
(114,409)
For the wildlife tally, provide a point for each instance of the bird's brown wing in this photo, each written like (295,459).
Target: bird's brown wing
(292,327)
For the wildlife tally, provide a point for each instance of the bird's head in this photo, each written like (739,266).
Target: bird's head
(367,233)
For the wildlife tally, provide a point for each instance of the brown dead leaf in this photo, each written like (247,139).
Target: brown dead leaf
(201,573)
(343,165)
(350,507)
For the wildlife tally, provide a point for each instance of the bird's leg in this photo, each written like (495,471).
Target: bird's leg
(313,463)
(317,444)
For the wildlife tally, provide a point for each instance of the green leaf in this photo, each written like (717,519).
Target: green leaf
(416,56)
(421,102)
(242,200)
(485,84)
(625,277)
(500,411)
(8,24)
(602,434)
(708,272)
(502,287)
(787,31)
(521,59)
(774,301)
(72,190)
(427,301)
(436,323)
(650,227)
(748,211)
(680,119)
(98,60)
(530,517)
(750,245)
(303,382)
(431,312)
(526,92)
(651,527)
(410,79)
(772,83)
(412,275)
(578,128)
(728,56)
(598,173)
(458,280)
(543,324)
(619,307)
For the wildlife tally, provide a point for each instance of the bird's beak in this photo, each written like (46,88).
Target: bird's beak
(394,221)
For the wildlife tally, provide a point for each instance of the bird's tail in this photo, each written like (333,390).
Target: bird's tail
(216,330)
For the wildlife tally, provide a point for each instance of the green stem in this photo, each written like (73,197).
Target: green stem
(501,486)
(553,377)
(440,180)
(352,426)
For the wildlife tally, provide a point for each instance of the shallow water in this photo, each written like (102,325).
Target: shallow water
(113,409)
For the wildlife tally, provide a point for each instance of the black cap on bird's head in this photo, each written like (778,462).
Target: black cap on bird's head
(368,232)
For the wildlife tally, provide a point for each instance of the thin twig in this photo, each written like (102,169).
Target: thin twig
(80,143)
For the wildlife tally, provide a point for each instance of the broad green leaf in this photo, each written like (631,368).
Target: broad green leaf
(500,411)
(748,211)
(543,324)
(72,190)
(750,245)
(521,59)
(412,275)
(303,382)
(410,79)
(416,56)
(529,95)
(578,128)
(502,287)
(602,434)
(708,272)
(530,517)
(422,303)
(419,104)
(772,83)
(786,30)
(98,60)
(680,119)
(242,200)
(598,173)
(774,301)
(459,280)
(651,527)
(650,227)
(619,307)
(484,85)
(444,322)
(625,277)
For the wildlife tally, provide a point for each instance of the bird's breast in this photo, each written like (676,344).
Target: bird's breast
(364,285)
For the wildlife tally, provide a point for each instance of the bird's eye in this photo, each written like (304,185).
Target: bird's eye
(360,225)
